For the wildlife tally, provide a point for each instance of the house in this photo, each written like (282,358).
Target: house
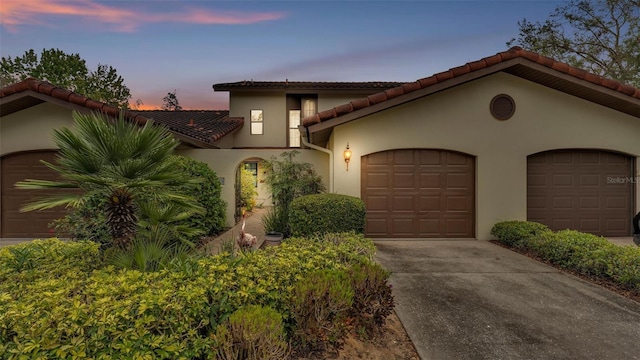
(31,109)
(511,136)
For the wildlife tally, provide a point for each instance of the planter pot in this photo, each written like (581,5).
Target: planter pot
(273,238)
(636,239)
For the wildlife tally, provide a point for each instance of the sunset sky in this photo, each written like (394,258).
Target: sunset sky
(161,45)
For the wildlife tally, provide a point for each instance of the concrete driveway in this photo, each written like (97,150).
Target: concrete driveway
(471,299)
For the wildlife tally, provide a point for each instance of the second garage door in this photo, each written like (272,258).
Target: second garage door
(585,190)
(418,193)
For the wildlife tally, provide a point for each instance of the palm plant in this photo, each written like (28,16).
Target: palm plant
(117,160)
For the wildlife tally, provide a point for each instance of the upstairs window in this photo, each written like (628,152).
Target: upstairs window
(256,122)
(294,133)
(309,107)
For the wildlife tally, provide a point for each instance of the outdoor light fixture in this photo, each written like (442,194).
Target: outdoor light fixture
(347,156)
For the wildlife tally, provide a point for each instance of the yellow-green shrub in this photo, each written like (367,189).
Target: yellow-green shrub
(67,303)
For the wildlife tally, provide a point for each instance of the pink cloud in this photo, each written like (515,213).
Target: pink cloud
(14,13)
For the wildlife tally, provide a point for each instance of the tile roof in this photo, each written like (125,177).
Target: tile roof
(476,66)
(200,128)
(205,125)
(56,92)
(306,85)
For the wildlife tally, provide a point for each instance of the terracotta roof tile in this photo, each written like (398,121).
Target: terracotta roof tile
(513,53)
(307,85)
(205,125)
(212,124)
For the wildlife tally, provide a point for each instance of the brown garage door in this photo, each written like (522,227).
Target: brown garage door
(414,193)
(585,190)
(31,224)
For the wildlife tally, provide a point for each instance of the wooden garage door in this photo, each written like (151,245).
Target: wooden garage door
(414,193)
(16,168)
(585,190)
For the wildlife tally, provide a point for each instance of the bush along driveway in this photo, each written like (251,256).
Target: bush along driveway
(470,299)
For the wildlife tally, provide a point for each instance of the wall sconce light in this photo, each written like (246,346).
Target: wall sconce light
(347,156)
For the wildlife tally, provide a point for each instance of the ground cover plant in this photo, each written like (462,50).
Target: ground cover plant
(585,254)
(63,300)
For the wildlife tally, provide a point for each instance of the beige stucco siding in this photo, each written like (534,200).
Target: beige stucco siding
(31,129)
(225,162)
(459,119)
(274,113)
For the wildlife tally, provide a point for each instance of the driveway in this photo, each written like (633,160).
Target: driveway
(471,299)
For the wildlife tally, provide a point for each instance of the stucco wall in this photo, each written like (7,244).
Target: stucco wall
(31,129)
(459,119)
(274,119)
(226,161)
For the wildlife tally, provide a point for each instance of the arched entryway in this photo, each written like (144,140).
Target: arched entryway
(581,189)
(419,193)
(256,168)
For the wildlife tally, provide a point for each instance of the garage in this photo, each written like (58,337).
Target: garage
(17,167)
(419,193)
(585,190)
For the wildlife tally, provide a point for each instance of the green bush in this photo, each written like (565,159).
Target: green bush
(512,233)
(87,221)
(248,190)
(374,301)
(276,220)
(319,307)
(252,333)
(326,213)
(586,254)
(59,299)
(207,193)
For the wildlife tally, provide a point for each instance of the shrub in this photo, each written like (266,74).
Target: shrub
(512,233)
(58,298)
(252,333)
(87,221)
(207,193)
(276,220)
(586,254)
(319,307)
(248,190)
(374,301)
(326,213)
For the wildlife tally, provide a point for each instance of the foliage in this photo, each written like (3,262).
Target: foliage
(319,307)
(207,191)
(170,102)
(88,221)
(513,233)
(326,213)
(59,299)
(276,219)
(289,180)
(374,301)
(146,255)
(68,71)
(118,161)
(599,36)
(248,190)
(252,333)
(586,254)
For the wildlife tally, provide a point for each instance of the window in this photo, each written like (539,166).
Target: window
(256,122)
(294,133)
(309,107)
(252,167)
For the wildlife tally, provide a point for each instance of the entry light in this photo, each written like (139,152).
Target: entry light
(347,156)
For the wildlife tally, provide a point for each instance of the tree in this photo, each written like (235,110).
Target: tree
(170,102)
(600,36)
(68,71)
(118,161)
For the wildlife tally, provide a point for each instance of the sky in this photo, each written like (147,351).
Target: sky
(159,46)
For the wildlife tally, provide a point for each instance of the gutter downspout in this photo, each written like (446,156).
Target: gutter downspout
(319,148)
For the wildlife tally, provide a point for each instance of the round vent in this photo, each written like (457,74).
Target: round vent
(502,107)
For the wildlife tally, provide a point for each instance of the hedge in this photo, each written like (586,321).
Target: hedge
(326,213)
(586,254)
(59,300)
